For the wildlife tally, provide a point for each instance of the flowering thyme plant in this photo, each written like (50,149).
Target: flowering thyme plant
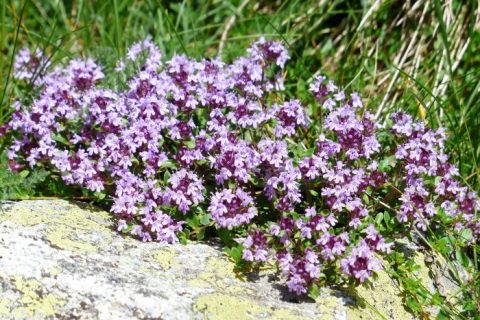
(188,142)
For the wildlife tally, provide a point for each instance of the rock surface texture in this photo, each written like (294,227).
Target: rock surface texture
(64,260)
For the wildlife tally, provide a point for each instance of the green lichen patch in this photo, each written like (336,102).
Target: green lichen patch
(219,274)
(221,306)
(73,227)
(328,307)
(60,237)
(20,215)
(5,307)
(222,267)
(33,303)
(379,301)
(55,271)
(199,283)
(286,314)
(165,257)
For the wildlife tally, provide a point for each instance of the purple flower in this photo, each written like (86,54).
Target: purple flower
(29,65)
(332,245)
(301,270)
(255,247)
(231,209)
(181,133)
(361,263)
(290,116)
(185,190)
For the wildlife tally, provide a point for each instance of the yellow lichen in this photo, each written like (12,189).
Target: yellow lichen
(32,302)
(222,267)
(223,306)
(146,270)
(199,283)
(328,307)
(20,216)
(423,273)
(219,306)
(5,307)
(75,230)
(380,301)
(219,274)
(286,314)
(70,227)
(60,237)
(55,271)
(165,257)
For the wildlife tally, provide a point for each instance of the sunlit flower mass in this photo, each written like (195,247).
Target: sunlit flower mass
(302,189)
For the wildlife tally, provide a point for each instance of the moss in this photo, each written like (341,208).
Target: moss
(32,302)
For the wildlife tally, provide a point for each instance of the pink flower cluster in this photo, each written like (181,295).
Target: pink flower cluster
(183,134)
(430,182)
(28,66)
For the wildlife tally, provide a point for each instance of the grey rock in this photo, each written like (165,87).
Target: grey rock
(64,260)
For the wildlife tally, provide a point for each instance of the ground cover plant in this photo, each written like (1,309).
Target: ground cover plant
(277,161)
(186,140)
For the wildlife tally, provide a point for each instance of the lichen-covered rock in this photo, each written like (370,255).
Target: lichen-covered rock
(61,259)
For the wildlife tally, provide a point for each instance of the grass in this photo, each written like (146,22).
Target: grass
(419,56)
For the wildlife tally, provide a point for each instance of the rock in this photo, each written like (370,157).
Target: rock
(64,260)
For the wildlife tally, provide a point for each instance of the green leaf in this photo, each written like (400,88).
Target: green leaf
(443,315)
(166,176)
(201,234)
(379,218)
(413,305)
(437,299)
(24,173)
(183,237)
(225,235)
(59,138)
(189,144)
(314,291)
(443,245)
(193,221)
(466,234)
(100,195)
(462,258)
(205,219)
(236,253)
(170,164)
(387,163)
(387,219)
(309,152)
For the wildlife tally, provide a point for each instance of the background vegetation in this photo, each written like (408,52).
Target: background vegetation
(420,56)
